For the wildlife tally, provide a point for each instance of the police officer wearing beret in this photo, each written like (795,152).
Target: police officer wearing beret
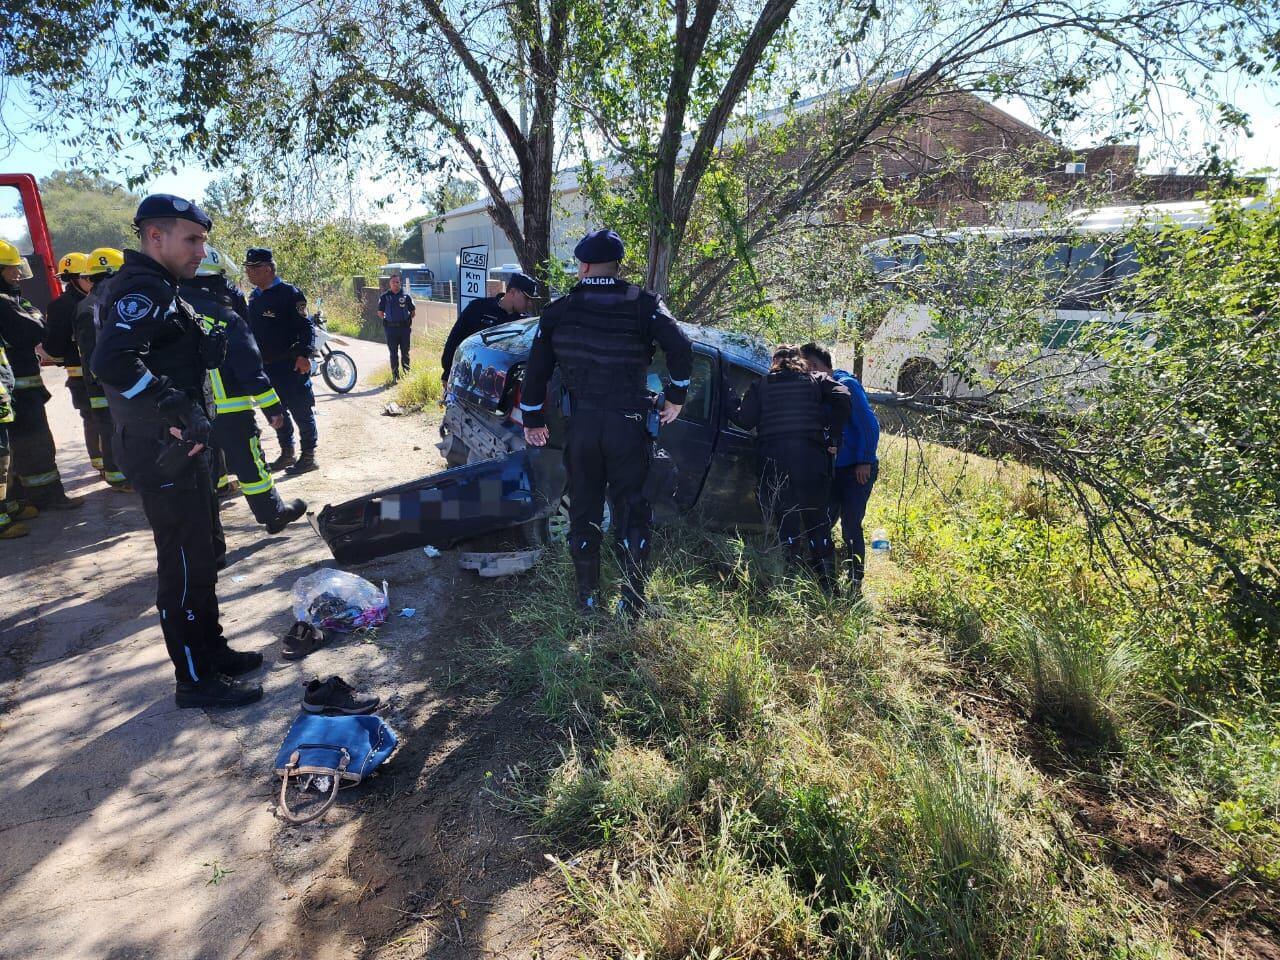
(485,312)
(602,335)
(280,324)
(396,309)
(153,357)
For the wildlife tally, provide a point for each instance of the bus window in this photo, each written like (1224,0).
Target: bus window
(13,221)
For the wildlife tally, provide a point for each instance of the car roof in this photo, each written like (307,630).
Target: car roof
(741,348)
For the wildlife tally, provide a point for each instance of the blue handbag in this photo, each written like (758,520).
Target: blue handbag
(343,749)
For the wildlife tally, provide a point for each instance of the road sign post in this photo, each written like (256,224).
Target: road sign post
(473,274)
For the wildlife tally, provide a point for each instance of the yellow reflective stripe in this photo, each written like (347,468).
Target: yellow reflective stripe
(96,462)
(5,519)
(38,479)
(265,480)
(219,388)
(26,383)
(266,399)
(234,405)
(4,357)
(98,403)
(74,371)
(223,481)
(258,486)
(115,476)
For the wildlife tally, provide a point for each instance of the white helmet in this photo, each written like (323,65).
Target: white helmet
(215,264)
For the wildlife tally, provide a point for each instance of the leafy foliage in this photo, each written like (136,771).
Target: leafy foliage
(84,212)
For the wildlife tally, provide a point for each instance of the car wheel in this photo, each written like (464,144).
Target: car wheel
(555,528)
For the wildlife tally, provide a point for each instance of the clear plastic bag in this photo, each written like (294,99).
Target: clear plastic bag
(337,600)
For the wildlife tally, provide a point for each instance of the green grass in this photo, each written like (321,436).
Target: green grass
(767,772)
(421,388)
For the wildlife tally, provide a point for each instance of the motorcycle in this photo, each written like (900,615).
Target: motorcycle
(336,366)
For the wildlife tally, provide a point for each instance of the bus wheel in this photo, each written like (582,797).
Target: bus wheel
(919,375)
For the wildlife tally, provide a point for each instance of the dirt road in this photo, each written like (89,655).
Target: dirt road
(129,828)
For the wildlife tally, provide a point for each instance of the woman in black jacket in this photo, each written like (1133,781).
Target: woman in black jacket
(797,416)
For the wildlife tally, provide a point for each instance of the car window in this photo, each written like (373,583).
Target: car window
(697,406)
(737,380)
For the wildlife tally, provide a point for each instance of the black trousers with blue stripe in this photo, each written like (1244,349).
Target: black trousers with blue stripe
(187,532)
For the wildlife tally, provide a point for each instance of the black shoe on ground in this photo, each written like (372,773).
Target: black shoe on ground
(306,463)
(286,459)
(216,691)
(236,663)
(335,695)
(64,503)
(291,512)
(301,640)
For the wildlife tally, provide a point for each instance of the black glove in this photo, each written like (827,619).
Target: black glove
(213,346)
(187,416)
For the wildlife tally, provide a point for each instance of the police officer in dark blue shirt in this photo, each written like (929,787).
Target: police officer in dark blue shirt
(602,335)
(152,358)
(280,324)
(396,310)
(485,312)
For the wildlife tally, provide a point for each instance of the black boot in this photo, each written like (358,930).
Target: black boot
(216,691)
(825,567)
(306,463)
(236,663)
(586,570)
(286,459)
(853,568)
(632,552)
(290,512)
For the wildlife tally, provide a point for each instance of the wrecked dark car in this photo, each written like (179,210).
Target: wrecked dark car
(495,485)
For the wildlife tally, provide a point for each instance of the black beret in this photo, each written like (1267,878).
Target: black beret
(602,246)
(523,282)
(163,206)
(258,255)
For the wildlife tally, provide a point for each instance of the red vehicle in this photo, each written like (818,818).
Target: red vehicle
(22,223)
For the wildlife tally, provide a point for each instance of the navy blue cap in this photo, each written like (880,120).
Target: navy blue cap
(164,206)
(602,246)
(258,255)
(524,283)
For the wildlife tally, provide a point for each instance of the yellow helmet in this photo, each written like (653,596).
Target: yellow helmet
(104,260)
(10,257)
(72,265)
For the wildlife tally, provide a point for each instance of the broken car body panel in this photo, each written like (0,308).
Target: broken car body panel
(443,509)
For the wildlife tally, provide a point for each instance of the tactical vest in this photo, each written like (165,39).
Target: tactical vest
(790,407)
(602,349)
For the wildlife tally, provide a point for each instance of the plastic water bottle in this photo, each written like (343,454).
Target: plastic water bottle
(880,542)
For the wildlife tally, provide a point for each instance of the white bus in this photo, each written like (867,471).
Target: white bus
(1074,272)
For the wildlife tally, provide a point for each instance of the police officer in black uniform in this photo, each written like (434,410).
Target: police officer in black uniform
(60,345)
(396,309)
(239,385)
(485,312)
(285,337)
(31,442)
(602,335)
(797,416)
(153,358)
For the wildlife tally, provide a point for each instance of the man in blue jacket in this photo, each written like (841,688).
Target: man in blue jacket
(280,325)
(396,310)
(856,465)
